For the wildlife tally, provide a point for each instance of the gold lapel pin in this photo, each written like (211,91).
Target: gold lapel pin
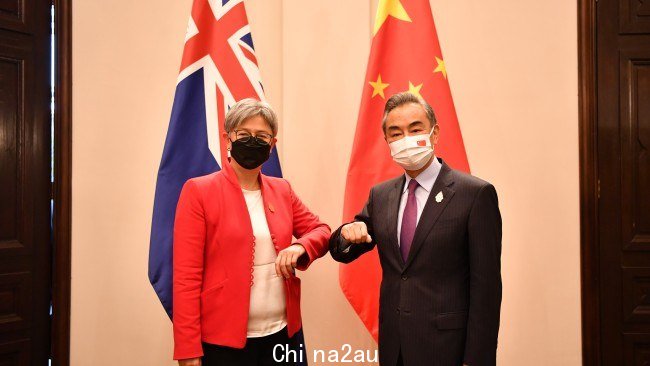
(439,197)
(271,208)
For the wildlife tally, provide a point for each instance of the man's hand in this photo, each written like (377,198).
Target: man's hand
(190,362)
(287,260)
(356,233)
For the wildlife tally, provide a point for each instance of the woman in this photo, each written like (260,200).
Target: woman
(235,292)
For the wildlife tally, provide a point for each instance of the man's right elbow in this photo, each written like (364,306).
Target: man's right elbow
(341,257)
(335,249)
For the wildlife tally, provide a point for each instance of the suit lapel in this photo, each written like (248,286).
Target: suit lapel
(235,197)
(267,200)
(269,204)
(432,210)
(393,209)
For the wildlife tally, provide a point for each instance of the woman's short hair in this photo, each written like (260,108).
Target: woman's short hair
(247,108)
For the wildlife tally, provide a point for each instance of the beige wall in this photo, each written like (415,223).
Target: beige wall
(513,74)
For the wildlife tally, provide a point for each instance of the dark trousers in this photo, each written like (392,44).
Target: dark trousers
(273,349)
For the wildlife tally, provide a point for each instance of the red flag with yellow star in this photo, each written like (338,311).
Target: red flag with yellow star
(405,56)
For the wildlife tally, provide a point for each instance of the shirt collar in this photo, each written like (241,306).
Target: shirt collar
(426,178)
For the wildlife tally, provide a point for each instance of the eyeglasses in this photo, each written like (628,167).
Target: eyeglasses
(245,136)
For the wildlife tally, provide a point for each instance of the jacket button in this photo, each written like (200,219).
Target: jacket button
(397,310)
(404,278)
(277,247)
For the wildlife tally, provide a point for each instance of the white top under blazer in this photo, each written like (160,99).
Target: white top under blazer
(267,313)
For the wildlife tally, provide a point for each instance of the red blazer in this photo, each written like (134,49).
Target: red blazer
(213,257)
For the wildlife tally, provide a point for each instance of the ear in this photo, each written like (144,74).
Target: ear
(226,139)
(273,142)
(435,135)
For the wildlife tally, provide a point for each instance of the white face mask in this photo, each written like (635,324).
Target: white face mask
(412,152)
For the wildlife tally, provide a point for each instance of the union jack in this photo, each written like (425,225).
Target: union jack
(218,69)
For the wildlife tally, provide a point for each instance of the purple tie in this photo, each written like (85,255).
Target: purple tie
(409,221)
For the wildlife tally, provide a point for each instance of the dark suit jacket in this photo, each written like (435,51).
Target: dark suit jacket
(442,306)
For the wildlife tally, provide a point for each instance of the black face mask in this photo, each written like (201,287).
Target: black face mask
(250,154)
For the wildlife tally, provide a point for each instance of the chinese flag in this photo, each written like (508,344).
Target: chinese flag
(405,56)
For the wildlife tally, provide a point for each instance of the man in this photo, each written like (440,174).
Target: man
(438,233)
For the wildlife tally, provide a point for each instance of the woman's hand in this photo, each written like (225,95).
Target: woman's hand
(287,260)
(190,362)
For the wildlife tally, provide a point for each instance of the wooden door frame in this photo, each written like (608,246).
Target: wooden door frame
(589,254)
(62,189)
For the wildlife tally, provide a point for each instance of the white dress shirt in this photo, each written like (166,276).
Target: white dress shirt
(426,179)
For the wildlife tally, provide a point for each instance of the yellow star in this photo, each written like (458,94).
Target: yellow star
(388,8)
(415,90)
(378,87)
(441,67)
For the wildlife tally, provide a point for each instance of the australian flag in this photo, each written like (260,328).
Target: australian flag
(218,69)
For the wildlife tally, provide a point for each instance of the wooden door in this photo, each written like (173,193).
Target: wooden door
(25,160)
(616,181)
